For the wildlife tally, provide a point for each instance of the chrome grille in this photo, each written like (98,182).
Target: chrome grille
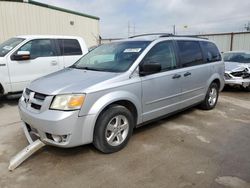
(34,100)
(39,96)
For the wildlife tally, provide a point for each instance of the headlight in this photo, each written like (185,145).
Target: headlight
(68,102)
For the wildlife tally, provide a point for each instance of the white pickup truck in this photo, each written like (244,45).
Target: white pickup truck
(25,58)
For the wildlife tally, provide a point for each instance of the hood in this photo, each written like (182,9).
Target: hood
(69,81)
(234,66)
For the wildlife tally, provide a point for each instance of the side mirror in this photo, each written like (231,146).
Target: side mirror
(149,68)
(21,55)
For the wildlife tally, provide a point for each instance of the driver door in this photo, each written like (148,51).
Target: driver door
(161,91)
(43,60)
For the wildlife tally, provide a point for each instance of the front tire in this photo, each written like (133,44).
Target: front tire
(113,129)
(211,98)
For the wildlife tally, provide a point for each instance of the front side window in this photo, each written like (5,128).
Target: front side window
(113,57)
(162,53)
(211,52)
(238,57)
(39,48)
(190,53)
(69,47)
(8,45)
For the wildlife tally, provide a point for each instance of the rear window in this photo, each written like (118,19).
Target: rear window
(211,52)
(190,53)
(69,47)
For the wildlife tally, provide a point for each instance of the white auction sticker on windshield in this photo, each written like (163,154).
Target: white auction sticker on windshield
(7,47)
(129,50)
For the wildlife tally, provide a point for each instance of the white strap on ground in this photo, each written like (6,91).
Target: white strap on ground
(25,153)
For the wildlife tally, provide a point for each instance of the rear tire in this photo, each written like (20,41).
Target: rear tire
(113,129)
(211,98)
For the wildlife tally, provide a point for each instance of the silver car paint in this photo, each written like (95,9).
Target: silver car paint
(69,81)
(148,94)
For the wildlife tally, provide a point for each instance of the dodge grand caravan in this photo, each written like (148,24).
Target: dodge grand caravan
(25,58)
(119,86)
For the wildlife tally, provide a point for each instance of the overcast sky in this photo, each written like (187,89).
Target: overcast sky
(144,16)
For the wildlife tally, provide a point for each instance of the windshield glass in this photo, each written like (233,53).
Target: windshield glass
(240,57)
(113,57)
(8,45)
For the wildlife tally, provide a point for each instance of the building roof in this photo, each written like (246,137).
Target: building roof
(55,8)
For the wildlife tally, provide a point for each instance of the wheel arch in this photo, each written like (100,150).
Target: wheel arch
(127,104)
(1,90)
(217,79)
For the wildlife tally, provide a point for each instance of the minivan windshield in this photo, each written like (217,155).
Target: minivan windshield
(112,57)
(238,57)
(8,45)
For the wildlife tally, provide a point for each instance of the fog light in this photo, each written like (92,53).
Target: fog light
(57,138)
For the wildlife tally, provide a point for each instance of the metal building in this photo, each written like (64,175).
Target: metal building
(230,41)
(225,41)
(27,17)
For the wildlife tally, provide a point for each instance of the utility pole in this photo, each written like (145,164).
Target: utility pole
(134,28)
(247,26)
(128,29)
(174,29)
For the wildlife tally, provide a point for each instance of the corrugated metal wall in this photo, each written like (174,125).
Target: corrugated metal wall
(25,19)
(241,41)
(231,41)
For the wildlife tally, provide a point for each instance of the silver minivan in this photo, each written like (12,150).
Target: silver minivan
(119,86)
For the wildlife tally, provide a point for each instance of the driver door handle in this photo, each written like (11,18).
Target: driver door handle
(187,74)
(176,76)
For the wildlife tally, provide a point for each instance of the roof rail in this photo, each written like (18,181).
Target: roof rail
(191,36)
(167,35)
(151,34)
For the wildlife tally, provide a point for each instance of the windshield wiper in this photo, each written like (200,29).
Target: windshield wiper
(86,68)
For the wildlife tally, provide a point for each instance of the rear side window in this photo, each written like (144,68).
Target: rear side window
(211,52)
(190,53)
(69,47)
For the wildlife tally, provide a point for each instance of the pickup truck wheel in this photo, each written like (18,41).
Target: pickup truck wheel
(211,97)
(113,129)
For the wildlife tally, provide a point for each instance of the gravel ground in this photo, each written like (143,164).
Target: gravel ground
(195,148)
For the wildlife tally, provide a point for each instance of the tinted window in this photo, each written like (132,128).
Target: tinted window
(39,48)
(211,52)
(70,47)
(190,53)
(162,53)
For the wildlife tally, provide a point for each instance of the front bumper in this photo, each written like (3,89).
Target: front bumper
(75,130)
(238,81)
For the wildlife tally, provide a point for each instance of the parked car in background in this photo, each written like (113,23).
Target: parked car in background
(25,58)
(119,86)
(237,68)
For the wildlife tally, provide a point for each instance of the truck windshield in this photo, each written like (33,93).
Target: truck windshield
(239,57)
(8,45)
(113,57)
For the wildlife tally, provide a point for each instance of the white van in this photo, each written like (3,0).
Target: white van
(25,58)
